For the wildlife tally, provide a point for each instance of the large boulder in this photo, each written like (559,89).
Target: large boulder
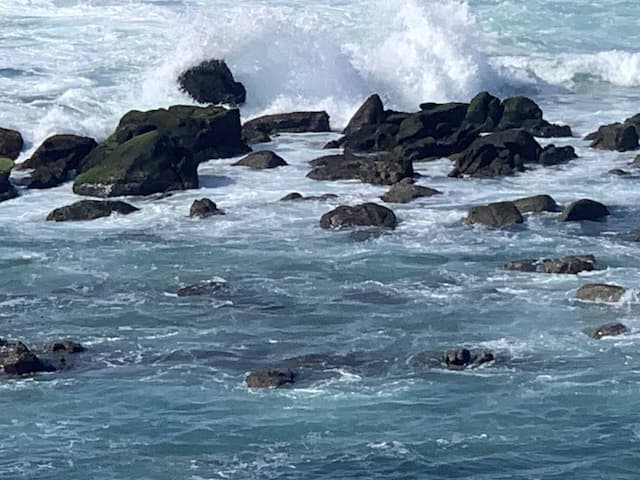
(17,359)
(269,378)
(572,264)
(522,112)
(496,154)
(584,209)
(147,163)
(365,215)
(11,143)
(615,136)
(7,190)
(600,292)
(56,158)
(495,215)
(371,112)
(404,192)
(461,359)
(90,210)
(384,169)
(607,330)
(212,82)
(484,112)
(262,160)
(204,208)
(537,204)
(259,129)
(552,155)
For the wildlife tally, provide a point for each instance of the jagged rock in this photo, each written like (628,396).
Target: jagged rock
(261,161)
(536,204)
(295,196)
(461,359)
(7,190)
(496,215)
(381,170)
(17,359)
(600,292)
(269,378)
(203,289)
(584,209)
(11,143)
(607,330)
(572,264)
(496,154)
(212,82)
(371,112)
(56,158)
(616,136)
(90,210)
(522,112)
(204,208)
(552,155)
(297,122)
(367,214)
(402,192)
(484,112)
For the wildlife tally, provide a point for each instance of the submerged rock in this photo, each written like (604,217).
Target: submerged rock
(496,215)
(17,359)
(295,196)
(90,210)
(584,209)
(619,172)
(7,190)
(367,214)
(203,289)
(11,143)
(261,161)
(572,264)
(608,330)
(461,359)
(269,378)
(259,129)
(403,192)
(600,292)
(379,170)
(204,208)
(537,204)
(212,82)
(66,346)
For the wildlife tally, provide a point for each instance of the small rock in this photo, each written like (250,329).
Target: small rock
(17,359)
(212,82)
(204,208)
(573,264)
(367,214)
(584,209)
(297,122)
(65,346)
(536,204)
(295,196)
(90,210)
(202,289)
(600,292)
(461,359)
(619,172)
(608,330)
(552,155)
(11,143)
(269,378)
(261,161)
(496,215)
(403,192)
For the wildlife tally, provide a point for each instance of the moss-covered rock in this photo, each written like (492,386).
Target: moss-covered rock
(11,143)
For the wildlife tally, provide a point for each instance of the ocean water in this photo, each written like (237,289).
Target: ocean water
(160,392)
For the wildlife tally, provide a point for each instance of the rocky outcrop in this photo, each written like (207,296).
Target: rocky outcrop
(259,129)
(380,170)
(203,289)
(11,143)
(552,155)
(616,136)
(607,330)
(404,192)
(261,161)
(17,359)
(7,190)
(204,208)
(212,82)
(497,154)
(536,204)
(461,359)
(573,264)
(524,113)
(600,292)
(90,210)
(495,215)
(269,378)
(370,113)
(484,112)
(584,209)
(365,215)
(55,160)
(295,196)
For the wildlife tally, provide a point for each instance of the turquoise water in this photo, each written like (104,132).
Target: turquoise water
(160,393)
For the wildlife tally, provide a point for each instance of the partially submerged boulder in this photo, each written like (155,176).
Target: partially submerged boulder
(11,143)
(7,190)
(365,215)
(212,82)
(522,112)
(66,346)
(607,330)
(621,137)
(269,378)
(204,208)
(552,155)
(17,359)
(600,292)
(572,264)
(536,204)
(495,215)
(90,210)
(384,169)
(461,359)
(262,160)
(584,209)
(259,129)
(295,196)
(404,192)
(203,289)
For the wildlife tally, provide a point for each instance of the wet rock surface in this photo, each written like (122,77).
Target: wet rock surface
(600,292)
(495,215)
(367,214)
(572,264)
(607,330)
(204,208)
(90,210)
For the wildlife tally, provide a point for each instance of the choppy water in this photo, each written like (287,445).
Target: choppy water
(161,395)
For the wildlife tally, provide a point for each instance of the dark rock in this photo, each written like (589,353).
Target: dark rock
(536,204)
(584,209)
(461,359)
(369,138)
(522,112)
(370,113)
(503,153)
(17,359)
(484,112)
(365,235)
(296,122)
(600,292)
(11,143)
(573,264)
(7,190)
(261,161)
(65,346)
(385,169)
(90,210)
(367,214)
(608,330)
(203,289)
(552,155)
(295,196)
(204,208)
(56,158)
(212,82)
(616,136)
(496,215)
(269,378)
(405,192)
(619,172)
(434,120)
